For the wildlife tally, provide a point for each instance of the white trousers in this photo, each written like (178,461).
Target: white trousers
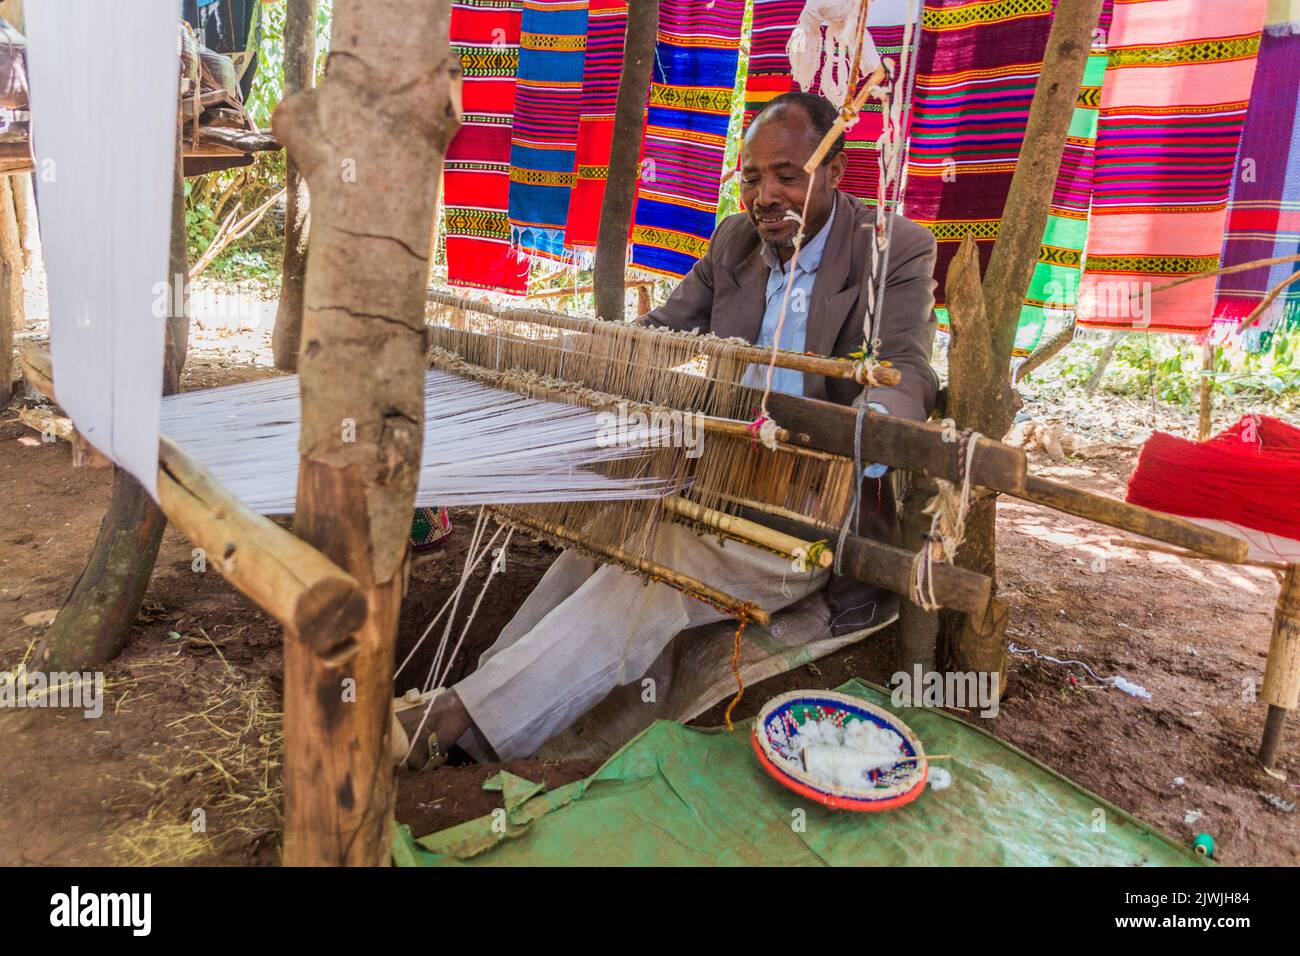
(587,629)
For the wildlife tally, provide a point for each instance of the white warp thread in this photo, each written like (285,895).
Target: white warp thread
(482,445)
(104,83)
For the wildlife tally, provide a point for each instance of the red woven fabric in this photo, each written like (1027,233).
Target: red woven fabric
(1249,475)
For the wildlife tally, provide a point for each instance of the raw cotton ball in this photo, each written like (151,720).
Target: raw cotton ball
(940,779)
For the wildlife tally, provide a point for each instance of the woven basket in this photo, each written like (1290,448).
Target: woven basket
(781,717)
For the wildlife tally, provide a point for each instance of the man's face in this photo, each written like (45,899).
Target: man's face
(773,183)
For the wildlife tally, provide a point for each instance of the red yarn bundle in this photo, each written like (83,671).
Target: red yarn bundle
(1248,475)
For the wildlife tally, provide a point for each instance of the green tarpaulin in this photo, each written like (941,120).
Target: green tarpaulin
(678,796)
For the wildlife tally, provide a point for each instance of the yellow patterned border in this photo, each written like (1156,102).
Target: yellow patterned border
(1089,97)
(1190,51)
(1060,256)
(957,230)
(1153,265)
(539,177)
(981,12)
(559,42)
(673,241)
(707,98)
(593,172)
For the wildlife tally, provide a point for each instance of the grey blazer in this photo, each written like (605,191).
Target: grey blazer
(726,293)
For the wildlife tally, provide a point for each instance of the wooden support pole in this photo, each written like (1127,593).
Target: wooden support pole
(1209,358)
(610,266)
(306,592)
(985,315)
(370,139)
(299,74)
(1128,517)
(12,314)
(1046,351)
(1282,672)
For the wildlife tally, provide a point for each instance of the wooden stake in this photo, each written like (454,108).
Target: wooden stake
(1282,672)
(1209,359)
(610,266)
(12,315)
(299,74)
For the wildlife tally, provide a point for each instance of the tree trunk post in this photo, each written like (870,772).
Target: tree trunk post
(96,618)
(299,74)
(916,640)
(1281,689)
(1209,359)
(12,314)
(984,316)
(370,139)
(609,273)
(1103,361)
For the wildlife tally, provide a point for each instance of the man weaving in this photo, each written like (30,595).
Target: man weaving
(586,629)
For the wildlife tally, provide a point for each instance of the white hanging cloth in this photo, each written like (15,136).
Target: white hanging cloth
(104,85)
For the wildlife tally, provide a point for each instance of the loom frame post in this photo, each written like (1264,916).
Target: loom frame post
(385,111)
(609,272)
(299,74)
(1281,690)
(984,314)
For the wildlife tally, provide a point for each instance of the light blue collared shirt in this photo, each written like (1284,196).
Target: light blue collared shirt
(795,332)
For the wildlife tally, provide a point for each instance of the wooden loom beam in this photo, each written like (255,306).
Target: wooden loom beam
(929,449)
(292,581)
(811,364)
(682,582)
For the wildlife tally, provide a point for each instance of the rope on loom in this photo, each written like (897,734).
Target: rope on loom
(763,428)
(944,510)
(892,146)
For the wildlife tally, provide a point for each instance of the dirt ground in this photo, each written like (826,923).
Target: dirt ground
(183,765)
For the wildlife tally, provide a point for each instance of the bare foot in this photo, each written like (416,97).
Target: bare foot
(446,721)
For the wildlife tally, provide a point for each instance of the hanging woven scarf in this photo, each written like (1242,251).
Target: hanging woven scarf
(1055,284)
(606,26)
(770,75)
(476,174)
(686,133)
(977,65)
(1264,212)
(548,104)
(1172,107)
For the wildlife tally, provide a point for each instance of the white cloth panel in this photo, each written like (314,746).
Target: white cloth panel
(104,85)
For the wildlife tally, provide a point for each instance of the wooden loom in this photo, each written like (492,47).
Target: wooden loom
(336,585)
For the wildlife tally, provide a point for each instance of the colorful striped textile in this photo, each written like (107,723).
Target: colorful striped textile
(770,76)
(606,26)
(977,65)
(686,133)
(1172,107)
(1055,284)
(548,105)
(476,174)
(1264,211)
